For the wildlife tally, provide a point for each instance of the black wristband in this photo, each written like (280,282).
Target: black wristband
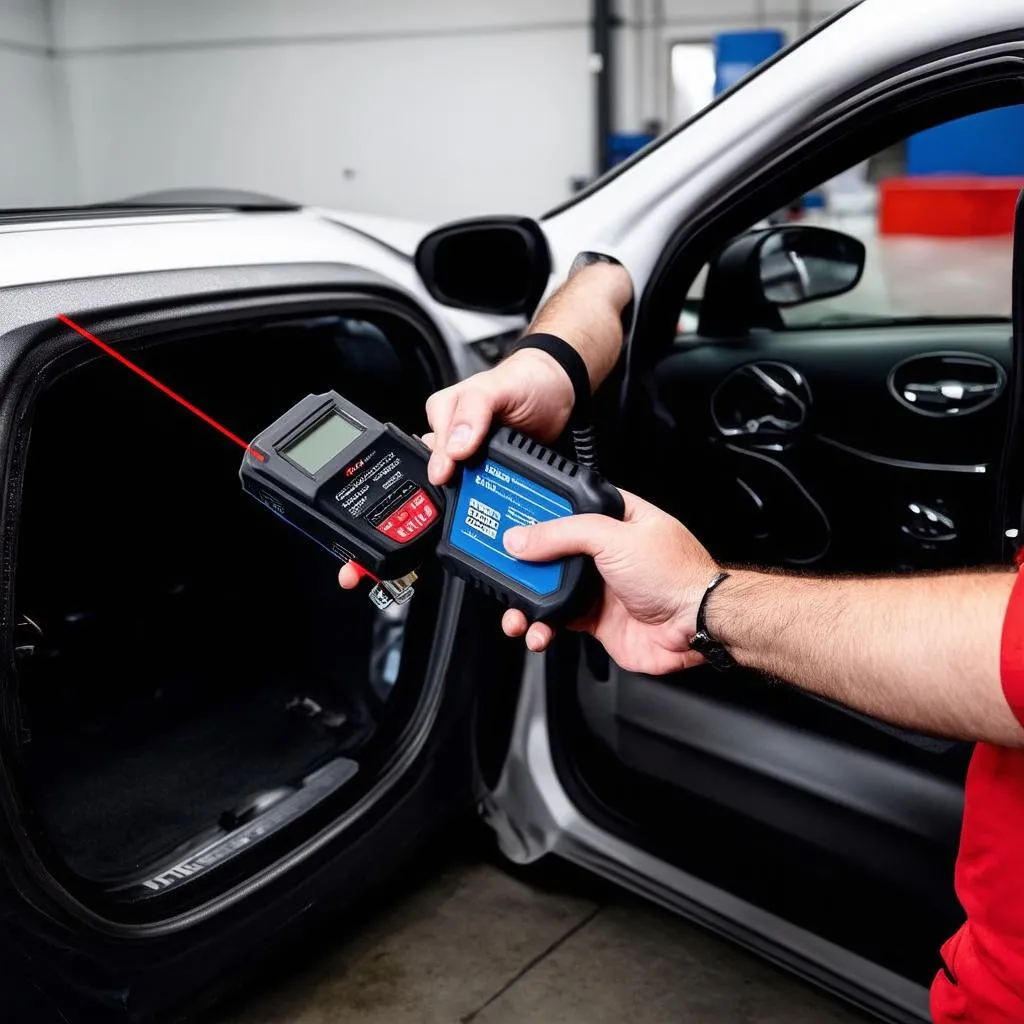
(569,360)
(715,652)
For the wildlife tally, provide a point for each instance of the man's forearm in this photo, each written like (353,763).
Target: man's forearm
(922,652)
(587,313)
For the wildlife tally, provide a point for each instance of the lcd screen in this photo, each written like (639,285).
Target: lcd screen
(316,448)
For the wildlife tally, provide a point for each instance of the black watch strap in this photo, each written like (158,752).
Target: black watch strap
(569,360)
(715,652)
(588,259)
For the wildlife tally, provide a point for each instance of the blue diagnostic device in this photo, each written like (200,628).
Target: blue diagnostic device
(517,482)
(491,499)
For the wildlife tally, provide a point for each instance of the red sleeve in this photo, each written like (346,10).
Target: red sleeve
(1012,656)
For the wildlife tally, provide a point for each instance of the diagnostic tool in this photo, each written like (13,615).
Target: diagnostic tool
(514,481)
(359,488)
(356,486)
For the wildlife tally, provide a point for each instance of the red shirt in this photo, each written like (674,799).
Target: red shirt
(984,977)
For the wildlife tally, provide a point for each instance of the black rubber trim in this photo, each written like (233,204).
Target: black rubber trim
(1010,513)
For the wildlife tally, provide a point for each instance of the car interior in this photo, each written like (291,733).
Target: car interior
(193,688)
(829,445)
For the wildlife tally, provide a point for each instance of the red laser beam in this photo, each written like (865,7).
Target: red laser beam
(159,386)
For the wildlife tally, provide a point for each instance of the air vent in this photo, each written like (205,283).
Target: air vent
(761,401)
(943,384)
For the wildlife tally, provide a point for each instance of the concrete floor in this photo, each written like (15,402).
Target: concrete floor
(464,941)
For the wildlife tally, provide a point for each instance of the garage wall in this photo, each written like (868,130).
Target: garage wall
(652,26)
(36,168)
(423,110)
(414,109)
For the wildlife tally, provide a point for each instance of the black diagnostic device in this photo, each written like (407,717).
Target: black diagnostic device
(355,485)
(359,488)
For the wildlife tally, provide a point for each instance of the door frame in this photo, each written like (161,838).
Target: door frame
(163,303)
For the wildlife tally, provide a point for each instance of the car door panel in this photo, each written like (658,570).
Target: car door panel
(834,493)
(861,457)
(825,484)
(843,798)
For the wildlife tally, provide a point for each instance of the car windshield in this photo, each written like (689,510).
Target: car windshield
(417,112)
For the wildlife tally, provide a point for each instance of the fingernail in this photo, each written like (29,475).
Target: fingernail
(533,641)
(459,437)
(435,468)
(515,540)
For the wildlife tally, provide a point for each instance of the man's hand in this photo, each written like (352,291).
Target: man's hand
(654,570)
(528,391)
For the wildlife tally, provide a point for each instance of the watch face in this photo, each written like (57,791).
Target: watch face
(586,259)
(716,655)
(700,640)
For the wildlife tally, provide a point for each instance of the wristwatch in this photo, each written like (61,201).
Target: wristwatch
(587,259)
(716,654)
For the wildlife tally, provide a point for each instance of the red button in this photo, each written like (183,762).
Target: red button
(410,519)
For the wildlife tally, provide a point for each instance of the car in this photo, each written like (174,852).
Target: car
(208,748)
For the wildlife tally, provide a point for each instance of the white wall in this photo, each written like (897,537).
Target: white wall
(425,110)
(652,26)
(35,167)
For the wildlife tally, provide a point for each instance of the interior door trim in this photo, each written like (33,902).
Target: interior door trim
(975,469)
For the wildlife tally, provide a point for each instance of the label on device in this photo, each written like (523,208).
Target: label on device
(491,500)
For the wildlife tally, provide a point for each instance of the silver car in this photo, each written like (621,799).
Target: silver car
(208,747)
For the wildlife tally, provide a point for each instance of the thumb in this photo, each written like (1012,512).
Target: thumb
(558,538)
(470,421)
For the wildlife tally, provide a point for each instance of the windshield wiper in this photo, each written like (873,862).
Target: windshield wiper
(199,198)
(182,200)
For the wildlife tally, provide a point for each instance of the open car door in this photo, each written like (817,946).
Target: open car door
(859,443)
(207,744)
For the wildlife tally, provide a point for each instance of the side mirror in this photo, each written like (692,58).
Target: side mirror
(764,271)
(498,265)
(803,264)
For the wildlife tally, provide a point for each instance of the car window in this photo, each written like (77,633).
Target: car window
(936,228)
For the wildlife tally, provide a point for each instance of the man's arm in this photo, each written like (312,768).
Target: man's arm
(530,390)
(922,652)
(919,651)
(587,313)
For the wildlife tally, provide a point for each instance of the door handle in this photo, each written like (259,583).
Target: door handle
(947,395)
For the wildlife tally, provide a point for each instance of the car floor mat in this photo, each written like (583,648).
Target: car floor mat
(113,805)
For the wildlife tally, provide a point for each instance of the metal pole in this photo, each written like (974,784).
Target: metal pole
(806,22)
(602,63)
